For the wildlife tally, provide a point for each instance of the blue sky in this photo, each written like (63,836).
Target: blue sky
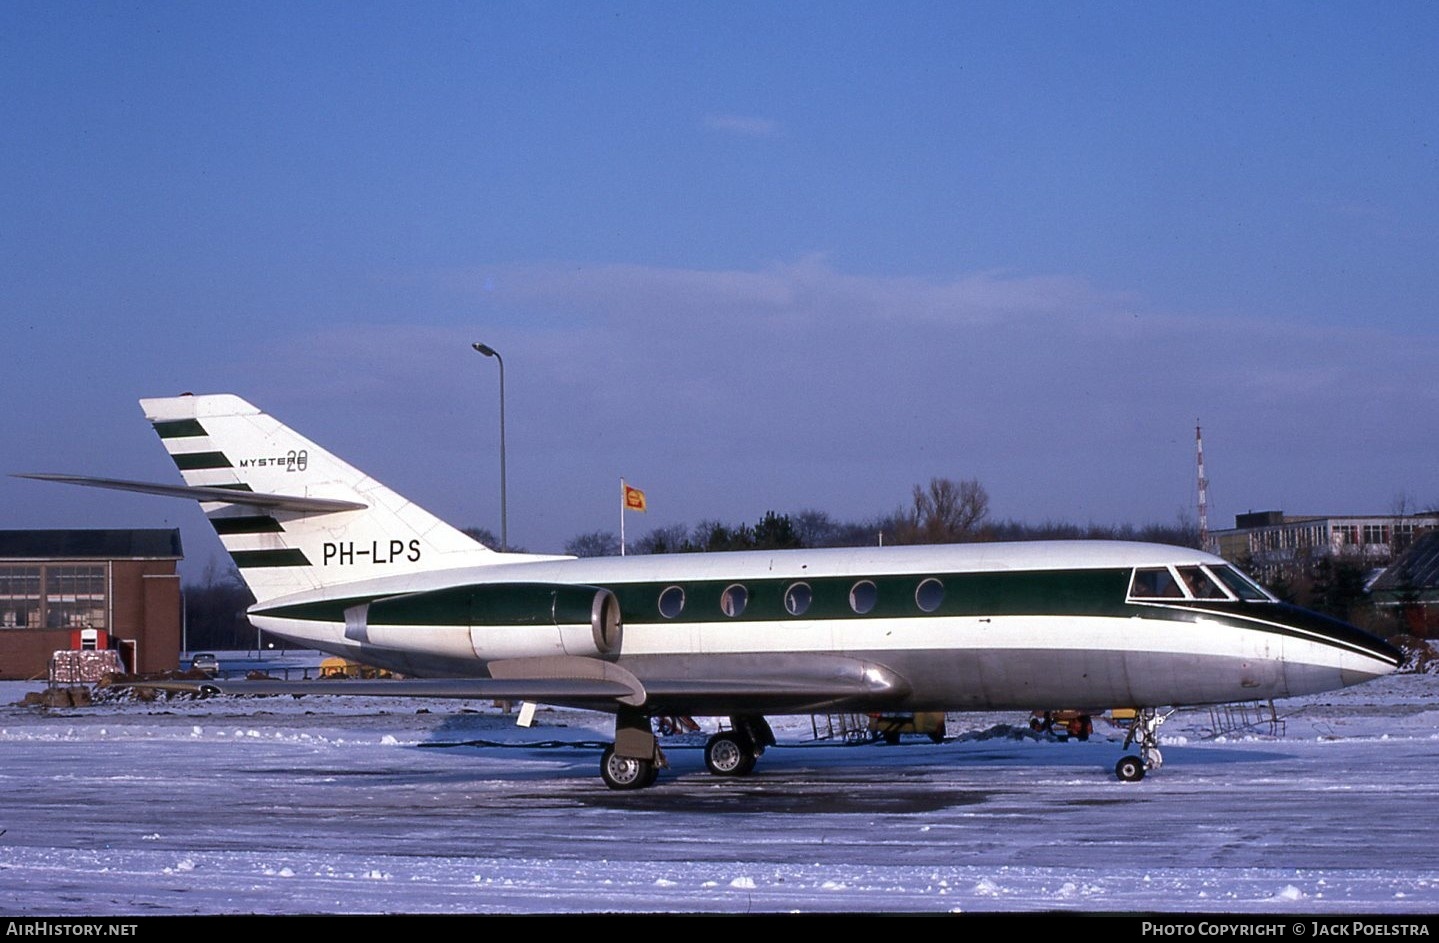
(748,256)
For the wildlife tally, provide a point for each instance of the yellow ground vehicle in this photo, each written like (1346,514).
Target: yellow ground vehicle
(890,726)
(344,668)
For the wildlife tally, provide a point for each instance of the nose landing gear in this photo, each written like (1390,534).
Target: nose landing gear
(1131,769)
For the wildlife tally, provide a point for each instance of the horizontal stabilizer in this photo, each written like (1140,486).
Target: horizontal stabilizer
(283,502)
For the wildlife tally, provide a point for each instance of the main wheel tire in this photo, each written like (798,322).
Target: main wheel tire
(729,754)
(1130,769)
(626,772)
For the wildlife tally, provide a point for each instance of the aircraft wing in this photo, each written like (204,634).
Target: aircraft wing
(589,684)
(594,694)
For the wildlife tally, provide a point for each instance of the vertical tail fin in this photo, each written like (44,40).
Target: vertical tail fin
(283,547)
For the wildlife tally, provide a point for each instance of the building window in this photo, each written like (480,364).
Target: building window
(54,596)
(75,597)
(20,597)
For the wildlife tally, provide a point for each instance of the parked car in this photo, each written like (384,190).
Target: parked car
(206,662)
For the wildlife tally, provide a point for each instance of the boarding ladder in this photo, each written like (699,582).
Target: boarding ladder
(851,728)
(1247,717)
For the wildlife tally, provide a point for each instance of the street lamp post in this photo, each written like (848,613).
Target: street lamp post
(504,513)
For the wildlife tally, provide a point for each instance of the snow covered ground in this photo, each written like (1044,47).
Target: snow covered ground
(339,805)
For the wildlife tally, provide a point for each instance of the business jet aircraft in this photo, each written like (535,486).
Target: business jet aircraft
(341,563)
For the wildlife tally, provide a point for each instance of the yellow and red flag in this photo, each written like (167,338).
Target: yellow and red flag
(634,499)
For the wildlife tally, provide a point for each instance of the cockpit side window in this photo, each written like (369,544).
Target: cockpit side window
(1201,585)
(1154,582)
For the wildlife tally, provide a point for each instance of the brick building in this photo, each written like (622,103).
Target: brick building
(79,589)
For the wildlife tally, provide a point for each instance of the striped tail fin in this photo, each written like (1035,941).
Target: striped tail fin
(300,518)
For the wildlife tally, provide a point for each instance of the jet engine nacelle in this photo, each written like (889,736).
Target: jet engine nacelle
(514,620)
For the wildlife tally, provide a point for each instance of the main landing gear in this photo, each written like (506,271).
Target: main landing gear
(635,759)
(1131,769)
(733,752)
(627,772)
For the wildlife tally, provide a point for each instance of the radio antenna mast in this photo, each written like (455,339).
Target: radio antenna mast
(1203,488)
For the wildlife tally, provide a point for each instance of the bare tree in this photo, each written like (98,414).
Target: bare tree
(215,609)
(599,543)
(487,537)
(671,539)
(815,528)
(947,511)
(483,534)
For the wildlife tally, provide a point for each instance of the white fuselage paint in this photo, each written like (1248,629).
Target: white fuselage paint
(958,661)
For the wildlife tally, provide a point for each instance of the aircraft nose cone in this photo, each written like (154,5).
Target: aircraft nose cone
(1386,660)
(1380,659)
(1371,669)
(1337,654)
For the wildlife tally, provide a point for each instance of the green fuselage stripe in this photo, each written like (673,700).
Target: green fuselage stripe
(1057,592)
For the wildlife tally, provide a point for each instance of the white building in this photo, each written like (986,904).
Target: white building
(1266,539)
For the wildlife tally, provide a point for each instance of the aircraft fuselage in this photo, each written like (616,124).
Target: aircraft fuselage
(963,627)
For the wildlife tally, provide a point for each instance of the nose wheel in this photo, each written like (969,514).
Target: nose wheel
(1130,769)
(1145,729)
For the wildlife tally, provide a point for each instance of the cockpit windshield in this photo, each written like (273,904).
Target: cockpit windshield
(1207,582)
(1200,584)
(1241,585)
